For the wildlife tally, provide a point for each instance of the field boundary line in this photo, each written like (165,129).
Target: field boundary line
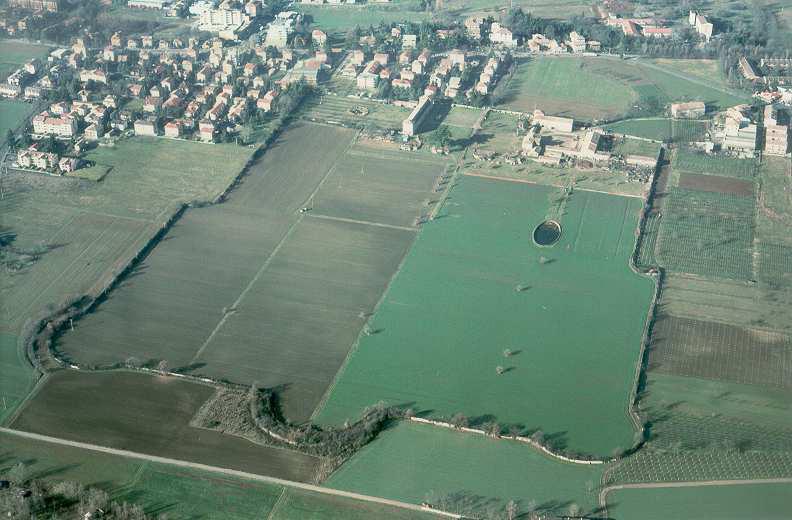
(271,256)
(277,504)
(10,418)
(247,289)
(340,373)
(361,222)
(603,496)
(525,181)
(226,471)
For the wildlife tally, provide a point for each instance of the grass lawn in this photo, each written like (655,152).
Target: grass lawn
(12,113)
(466,473)
(539,8)
(15,53)
(566,87)
(336,110)
(757,501)
(706,70)
(660,129)
(18,377)
(454,308)
(297,504)
(338,20)
(148,414)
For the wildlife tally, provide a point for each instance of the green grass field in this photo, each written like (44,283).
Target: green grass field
(758,501)
(629,146)
(18,378)
(567,87)
(148,414)
(660,129)
(603,88)
(465,473)
(297,504)
(15,53)
(339,19)
(12,113)
(454,308)
(539,8)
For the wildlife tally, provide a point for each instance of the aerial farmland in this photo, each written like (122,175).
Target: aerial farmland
(395,259)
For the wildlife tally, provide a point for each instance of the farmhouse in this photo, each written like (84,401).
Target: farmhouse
(553,123)
(577,42)
(412,124)
(690,110)
(703,27)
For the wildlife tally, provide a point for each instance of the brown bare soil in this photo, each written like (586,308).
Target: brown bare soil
(717,184)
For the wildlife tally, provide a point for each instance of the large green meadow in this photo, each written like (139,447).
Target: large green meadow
(467,473)
(604,88)
(475,285)
(14,53)
(725,502)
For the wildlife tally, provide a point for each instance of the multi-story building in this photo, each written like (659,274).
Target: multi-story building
(62,126)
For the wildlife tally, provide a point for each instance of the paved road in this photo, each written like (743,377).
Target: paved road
(225,471)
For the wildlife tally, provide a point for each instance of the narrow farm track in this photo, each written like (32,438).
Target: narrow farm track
(228,472)
(603,496)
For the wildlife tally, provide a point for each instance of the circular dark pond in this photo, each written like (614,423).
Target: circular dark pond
(547,233)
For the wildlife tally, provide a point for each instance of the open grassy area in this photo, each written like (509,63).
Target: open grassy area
(474,285)
(466,473)
(18,378)
(297,504)
(286,306)
(148,414)
(12,114)
(604,88)
(629,146)
(568,87)
(339,19)
(759,501)
(336,110)
(499,133)
(708,71)
(14,53)
(660,129)
(540,8)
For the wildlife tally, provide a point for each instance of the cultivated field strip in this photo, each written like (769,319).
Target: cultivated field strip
(698,162)
(717,184)
(706,233)
(148,414)
(273,285)
(694,348)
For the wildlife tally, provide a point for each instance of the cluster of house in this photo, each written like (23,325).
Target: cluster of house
(443,76)
(340,2)
(32,158)
(635,26)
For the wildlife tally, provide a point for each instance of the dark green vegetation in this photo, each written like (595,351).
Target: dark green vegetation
(604,88)
(475,284)
(256,290)
(148,414)
(417,463)
(759,501)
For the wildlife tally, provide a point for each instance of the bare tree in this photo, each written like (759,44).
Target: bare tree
(512,510)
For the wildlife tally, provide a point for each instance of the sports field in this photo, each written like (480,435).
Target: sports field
(286,306)
(466,473)
(603,88)
(757,501)
(660,129)
(148,414)
(474,285)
